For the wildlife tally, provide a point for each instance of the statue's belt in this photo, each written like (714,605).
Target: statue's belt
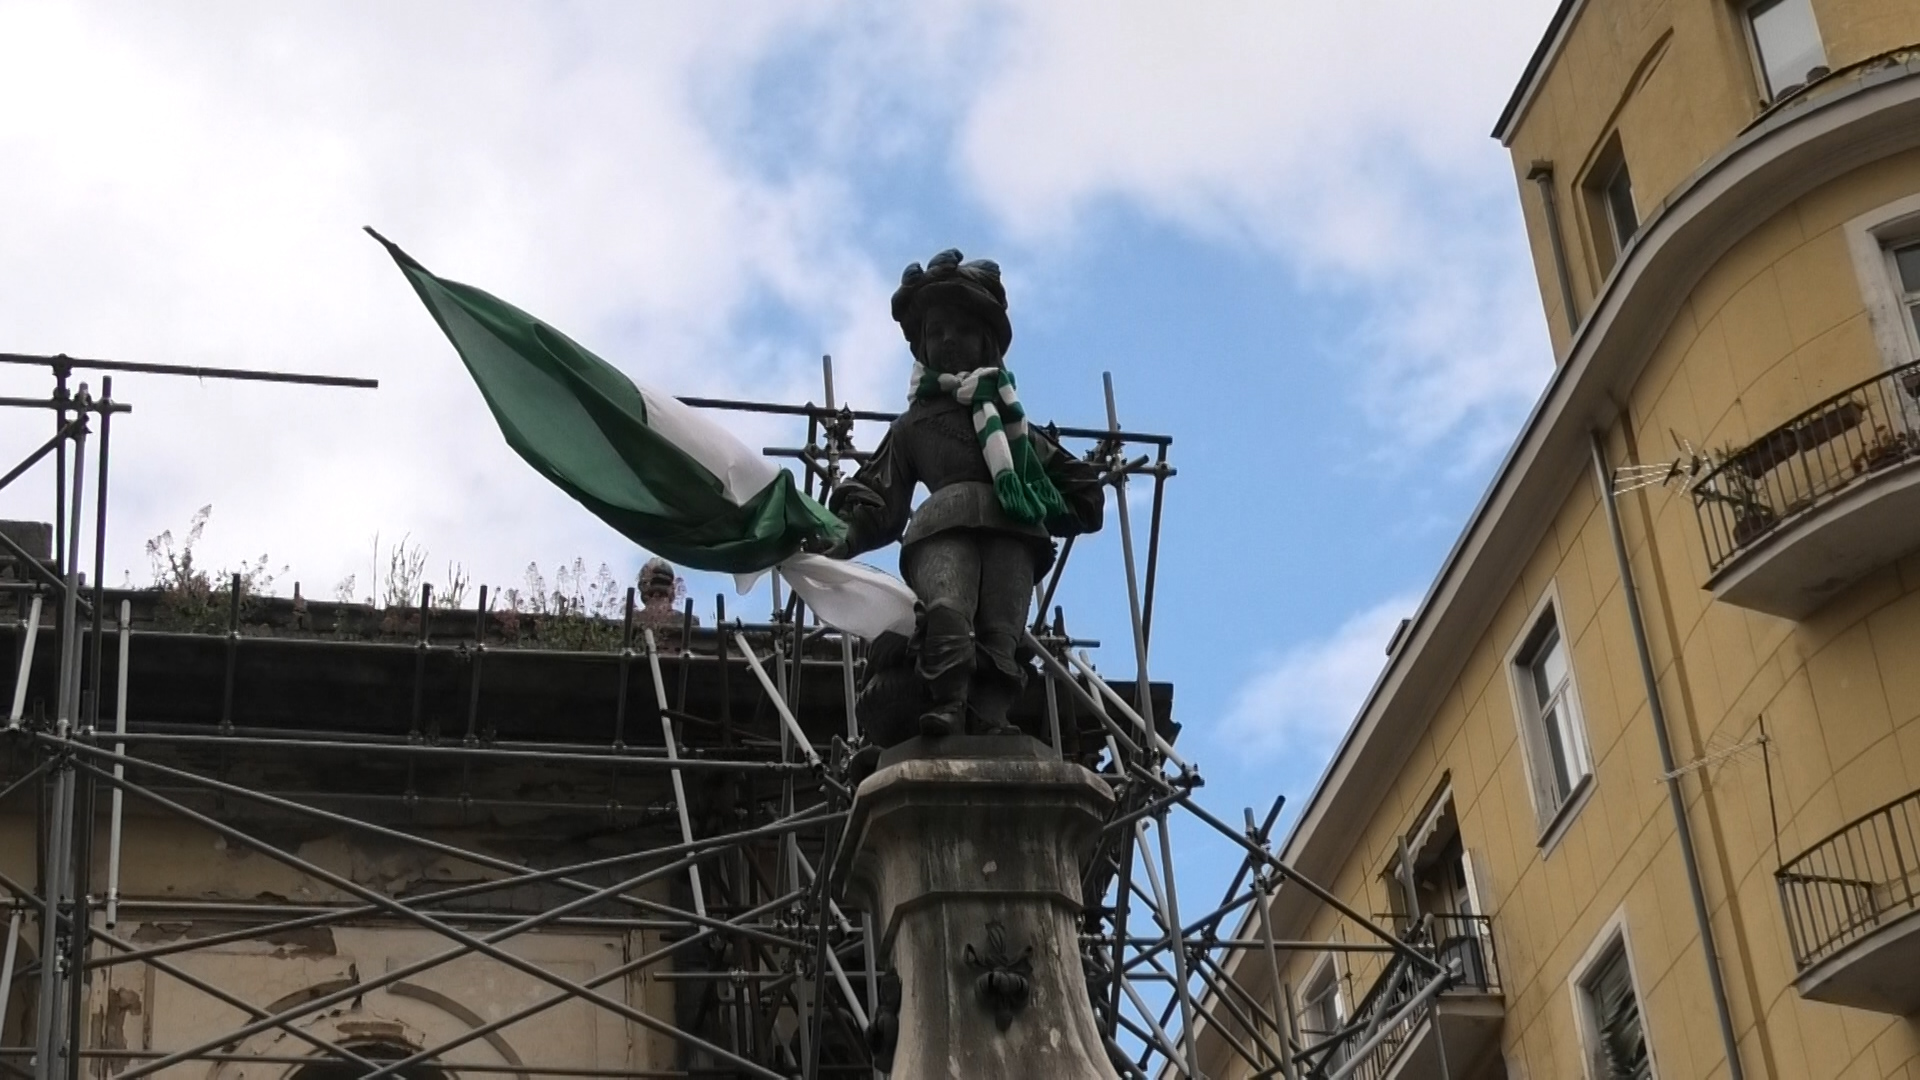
(965,504)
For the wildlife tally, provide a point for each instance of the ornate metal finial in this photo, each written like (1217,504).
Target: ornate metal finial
(1004,982)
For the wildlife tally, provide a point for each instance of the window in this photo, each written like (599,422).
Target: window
(1549,714)
(1548,676)
(1616,1037)
(1617,193)
(1430,873)
(1905,267)
(1786,44)
(1611,215)
(1432,894)
(1320,1003)
(1885,247)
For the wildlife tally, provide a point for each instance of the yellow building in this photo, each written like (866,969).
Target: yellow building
(1680,837)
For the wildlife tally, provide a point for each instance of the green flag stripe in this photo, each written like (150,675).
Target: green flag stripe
(583,424)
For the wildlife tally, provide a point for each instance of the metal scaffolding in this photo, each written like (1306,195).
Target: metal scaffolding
(721,755)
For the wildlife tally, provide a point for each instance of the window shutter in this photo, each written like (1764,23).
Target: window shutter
(1623,1042)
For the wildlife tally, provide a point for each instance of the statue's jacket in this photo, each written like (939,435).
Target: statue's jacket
(933,443)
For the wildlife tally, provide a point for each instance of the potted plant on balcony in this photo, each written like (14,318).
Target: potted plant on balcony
(1751,521)
(1888,448)
(1735,484)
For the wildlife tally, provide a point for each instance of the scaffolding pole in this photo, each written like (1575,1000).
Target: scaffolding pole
(777,979)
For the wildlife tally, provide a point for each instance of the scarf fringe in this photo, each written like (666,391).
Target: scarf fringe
(1040,499)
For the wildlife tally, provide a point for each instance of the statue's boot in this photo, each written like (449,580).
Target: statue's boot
(991,702)
(948,713)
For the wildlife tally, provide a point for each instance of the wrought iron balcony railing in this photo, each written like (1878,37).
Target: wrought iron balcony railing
(1853,882)
(1462,942)
(1850,436)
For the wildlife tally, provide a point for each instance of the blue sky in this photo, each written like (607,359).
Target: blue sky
(1282,227)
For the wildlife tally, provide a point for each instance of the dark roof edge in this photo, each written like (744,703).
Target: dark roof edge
(1536,66)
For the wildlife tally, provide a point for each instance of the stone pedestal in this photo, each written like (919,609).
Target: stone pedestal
(970,867)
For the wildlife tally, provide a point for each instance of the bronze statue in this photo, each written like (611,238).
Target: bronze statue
(999,491)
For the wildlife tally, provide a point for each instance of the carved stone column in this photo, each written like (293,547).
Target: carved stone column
(971,869)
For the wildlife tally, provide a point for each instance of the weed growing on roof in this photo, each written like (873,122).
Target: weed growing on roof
(580,610)
(190,598)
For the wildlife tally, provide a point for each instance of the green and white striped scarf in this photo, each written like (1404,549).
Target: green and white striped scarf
(1019,479)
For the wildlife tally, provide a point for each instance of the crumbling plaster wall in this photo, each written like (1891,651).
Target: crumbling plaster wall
(166,860)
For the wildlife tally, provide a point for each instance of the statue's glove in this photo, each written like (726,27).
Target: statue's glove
(833,547)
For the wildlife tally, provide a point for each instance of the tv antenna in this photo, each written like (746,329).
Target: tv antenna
(1687,468)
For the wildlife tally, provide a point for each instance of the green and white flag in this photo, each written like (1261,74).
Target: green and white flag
(659,472)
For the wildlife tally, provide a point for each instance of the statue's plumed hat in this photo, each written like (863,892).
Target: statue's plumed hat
(974,286)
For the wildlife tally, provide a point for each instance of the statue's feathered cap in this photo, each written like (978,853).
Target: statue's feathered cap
(974,286)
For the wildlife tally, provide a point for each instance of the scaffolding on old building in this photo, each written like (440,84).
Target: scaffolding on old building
(714,758)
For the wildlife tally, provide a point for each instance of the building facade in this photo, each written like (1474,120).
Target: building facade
(1643,772)
(318,800)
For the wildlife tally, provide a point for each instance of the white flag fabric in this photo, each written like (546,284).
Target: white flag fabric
(848,596)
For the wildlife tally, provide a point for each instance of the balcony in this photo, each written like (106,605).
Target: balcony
(1852,904)
(1817,503)
(1399,1033)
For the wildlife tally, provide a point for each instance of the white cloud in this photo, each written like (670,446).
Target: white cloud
(188,183)
(1349,139)
(1302,701)
(184,183)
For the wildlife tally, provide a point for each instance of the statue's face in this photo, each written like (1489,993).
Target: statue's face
(954,341)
